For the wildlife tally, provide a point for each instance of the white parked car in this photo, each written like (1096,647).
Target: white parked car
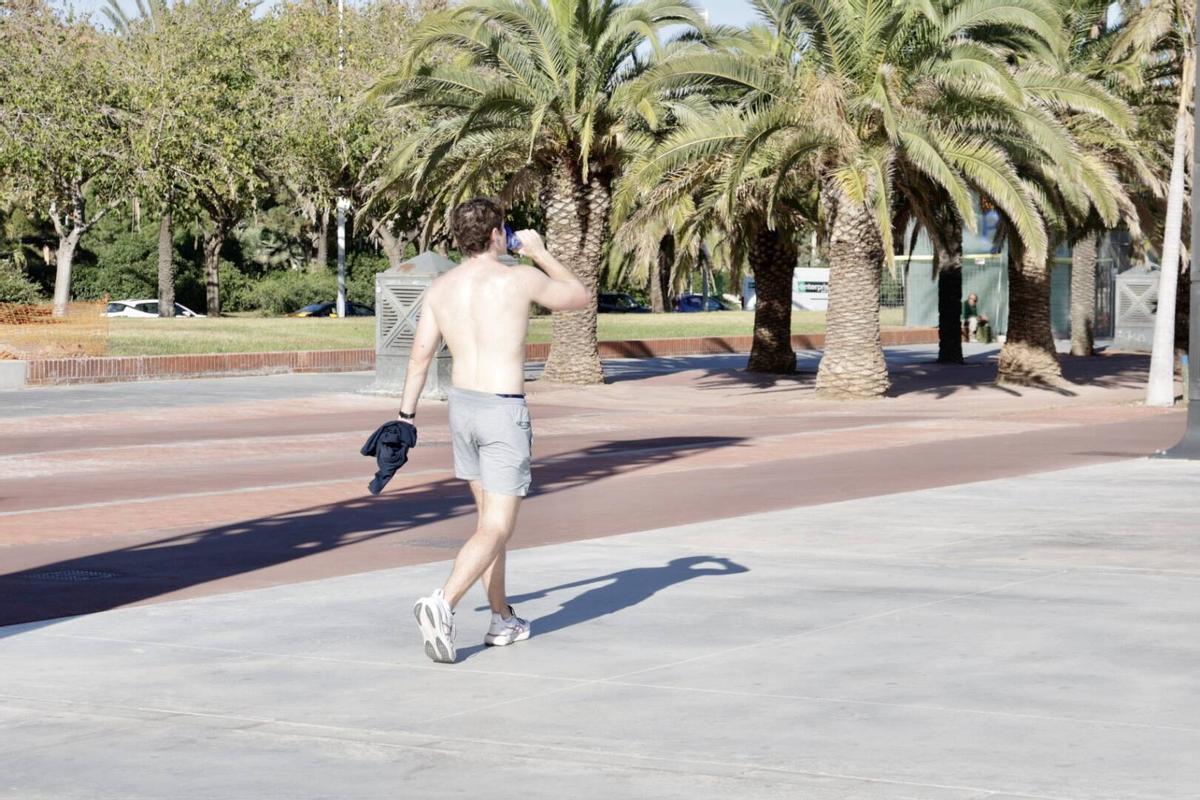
(145,309)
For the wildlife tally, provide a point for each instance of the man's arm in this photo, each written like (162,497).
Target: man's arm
(426,342)
(557,289)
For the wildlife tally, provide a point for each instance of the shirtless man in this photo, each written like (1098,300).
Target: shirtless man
(481,309)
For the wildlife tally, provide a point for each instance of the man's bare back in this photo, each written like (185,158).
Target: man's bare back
(481,309)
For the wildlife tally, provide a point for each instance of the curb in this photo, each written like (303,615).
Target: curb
(112,369)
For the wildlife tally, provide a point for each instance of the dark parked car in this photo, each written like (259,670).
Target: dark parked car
(330,310)
(695,302)
(620,303)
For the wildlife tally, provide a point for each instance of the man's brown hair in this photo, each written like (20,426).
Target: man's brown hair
(472,223)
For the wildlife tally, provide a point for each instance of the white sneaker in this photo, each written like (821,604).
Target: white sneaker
(506,631)
(437,627)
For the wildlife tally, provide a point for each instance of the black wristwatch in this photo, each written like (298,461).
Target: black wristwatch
(407,417)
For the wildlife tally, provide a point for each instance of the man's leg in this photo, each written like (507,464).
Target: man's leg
(497,518)
(493,576)
(493,583)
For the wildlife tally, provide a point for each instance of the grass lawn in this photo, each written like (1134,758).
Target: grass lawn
(260,334)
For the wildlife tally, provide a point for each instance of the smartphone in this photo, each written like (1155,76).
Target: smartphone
(510,236)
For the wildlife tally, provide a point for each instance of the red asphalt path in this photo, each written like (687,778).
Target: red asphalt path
(162,504)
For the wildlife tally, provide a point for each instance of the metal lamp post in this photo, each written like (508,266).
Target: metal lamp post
(1189,445)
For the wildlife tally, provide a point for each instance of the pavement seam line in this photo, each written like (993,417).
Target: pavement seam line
(167,713)
(300,656)
(907,706)
(614,682)
(186,495)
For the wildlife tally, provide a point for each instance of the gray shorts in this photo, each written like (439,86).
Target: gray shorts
(492,438)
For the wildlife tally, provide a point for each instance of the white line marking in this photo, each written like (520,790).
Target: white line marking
(364,480)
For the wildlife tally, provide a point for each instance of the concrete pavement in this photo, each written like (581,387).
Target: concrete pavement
(1029,637)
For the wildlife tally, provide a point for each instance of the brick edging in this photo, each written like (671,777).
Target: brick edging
(110,369)
(137,368)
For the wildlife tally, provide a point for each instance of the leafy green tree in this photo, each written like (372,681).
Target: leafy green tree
(201,105)
(63,135)
(536,93)
(332,142)
(15,287)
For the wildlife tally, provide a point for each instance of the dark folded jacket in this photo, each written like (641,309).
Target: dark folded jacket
(389,444)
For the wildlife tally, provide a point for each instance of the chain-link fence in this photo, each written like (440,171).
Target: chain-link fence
(33,332)
(986,275)
(983,274)
(891,287)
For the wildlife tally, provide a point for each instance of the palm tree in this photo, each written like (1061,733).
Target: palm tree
(1091,34)
(880,92)
(1073,171)
(707,186)
(1162,31)
(535,92)
(694,186)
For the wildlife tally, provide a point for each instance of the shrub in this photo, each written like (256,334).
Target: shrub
(237,288)
(360,277)
(124,264)
(290,290)
(15,287)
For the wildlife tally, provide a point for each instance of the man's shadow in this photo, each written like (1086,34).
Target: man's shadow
(617,592)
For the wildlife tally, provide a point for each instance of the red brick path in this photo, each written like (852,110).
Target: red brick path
(210,498)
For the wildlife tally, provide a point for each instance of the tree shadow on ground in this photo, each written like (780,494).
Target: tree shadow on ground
(911,370)
(717,371)
(616,592)
(978,374)
(119,577)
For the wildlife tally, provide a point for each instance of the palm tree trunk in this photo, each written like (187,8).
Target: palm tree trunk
(320,243)
(1083,295)
(1028,355)
(947,261)
(166,264)
(576,215)
(660,276)
(773,256)
(853,365)
(655,287)
(1160,388)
